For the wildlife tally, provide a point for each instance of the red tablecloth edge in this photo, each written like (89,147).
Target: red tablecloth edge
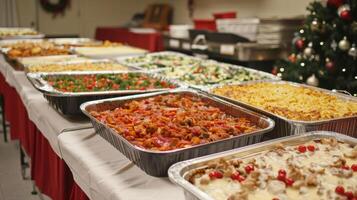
(49,172)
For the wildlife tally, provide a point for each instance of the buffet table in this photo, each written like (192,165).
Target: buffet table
(104,173)
(48,121)
(68,160)
(37,126)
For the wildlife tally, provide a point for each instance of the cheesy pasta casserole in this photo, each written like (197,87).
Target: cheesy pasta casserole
(289,101)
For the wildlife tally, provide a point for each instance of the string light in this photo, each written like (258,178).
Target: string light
(321,43)
(356,77)
(279,74)
(301,31)
(282,69)
(344,70)
(302,64)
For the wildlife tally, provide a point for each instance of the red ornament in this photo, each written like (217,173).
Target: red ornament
(344,12)
(335,3)
(346,15)
(330,66)
(300,44)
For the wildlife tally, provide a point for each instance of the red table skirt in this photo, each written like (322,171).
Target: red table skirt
(149,41)
(49,172)
(77,193)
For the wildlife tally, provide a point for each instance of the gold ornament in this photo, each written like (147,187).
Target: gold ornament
(344,44)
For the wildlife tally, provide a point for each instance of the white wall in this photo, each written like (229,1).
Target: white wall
(26,11)
(85,15)
(109,13)
(244,8)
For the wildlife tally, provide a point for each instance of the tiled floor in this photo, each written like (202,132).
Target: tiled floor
(12,186)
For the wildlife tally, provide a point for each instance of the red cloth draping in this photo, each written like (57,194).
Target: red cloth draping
(49,172)
(11,110)
(149,41)
(2,84)
(77,193)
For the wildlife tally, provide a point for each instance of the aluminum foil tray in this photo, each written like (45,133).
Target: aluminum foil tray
(138,64)
(219,64)
(286,127)
(4,43)
(47,61)
(124,58)
(179,173)
(156,163)
(24,63)
(23,36)
(16,62)
(68,103)
(70,41)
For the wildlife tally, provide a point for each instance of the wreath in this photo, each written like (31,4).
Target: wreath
(55,8)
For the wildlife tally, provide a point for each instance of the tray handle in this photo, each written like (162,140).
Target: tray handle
(37,83)
(342,92)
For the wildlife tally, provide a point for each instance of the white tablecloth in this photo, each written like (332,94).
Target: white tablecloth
(47,120)
(99,169)
(104,173)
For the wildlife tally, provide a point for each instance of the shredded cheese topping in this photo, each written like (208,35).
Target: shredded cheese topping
(289,101)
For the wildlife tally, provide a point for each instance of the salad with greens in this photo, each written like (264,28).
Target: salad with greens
(105,82)
(211,73)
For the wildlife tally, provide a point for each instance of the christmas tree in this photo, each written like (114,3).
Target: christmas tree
(324,50)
